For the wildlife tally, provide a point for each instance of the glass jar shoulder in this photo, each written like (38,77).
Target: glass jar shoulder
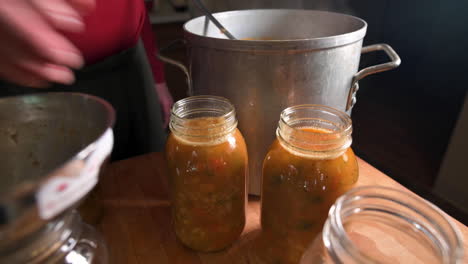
(214,164)
(279,160)
(230,143)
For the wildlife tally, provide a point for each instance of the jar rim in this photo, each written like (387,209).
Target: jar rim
(193,107)
(334,228)
(212,98)
(347,123)
(332,138)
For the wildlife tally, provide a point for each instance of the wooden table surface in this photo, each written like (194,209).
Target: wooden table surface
(136,215)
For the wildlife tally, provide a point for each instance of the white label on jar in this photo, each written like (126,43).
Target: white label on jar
(72,182)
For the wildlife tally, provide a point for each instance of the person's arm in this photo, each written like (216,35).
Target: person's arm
(157,68)
(33,52)
(148,38)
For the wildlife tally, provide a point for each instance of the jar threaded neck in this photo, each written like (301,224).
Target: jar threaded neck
(203,118)
(315,130)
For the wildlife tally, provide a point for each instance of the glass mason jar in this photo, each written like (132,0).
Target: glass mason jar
(383,225)
(308,166)
(207,162)
(65,240)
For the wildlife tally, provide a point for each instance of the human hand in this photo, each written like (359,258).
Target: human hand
(166,101)
(33,52)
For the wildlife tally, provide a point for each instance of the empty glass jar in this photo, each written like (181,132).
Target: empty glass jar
(383,225)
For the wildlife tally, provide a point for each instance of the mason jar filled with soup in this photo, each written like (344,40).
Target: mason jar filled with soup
(308,166)
(207,162)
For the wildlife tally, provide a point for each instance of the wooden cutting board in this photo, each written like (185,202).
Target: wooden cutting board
(136,221)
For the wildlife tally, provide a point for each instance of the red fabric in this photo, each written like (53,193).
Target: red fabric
(113,27)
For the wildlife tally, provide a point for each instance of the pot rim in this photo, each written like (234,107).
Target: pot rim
(332,41)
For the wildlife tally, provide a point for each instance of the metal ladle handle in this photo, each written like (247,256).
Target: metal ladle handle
(208,14)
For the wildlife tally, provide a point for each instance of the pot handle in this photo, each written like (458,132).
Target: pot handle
(178,64)
(395,62)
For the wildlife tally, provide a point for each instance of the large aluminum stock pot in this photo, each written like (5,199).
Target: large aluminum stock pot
(281,58)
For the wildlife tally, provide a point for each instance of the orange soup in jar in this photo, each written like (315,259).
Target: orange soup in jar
(207,162)
(308,166)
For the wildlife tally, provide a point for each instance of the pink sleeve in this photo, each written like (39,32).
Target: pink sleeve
(148,38)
